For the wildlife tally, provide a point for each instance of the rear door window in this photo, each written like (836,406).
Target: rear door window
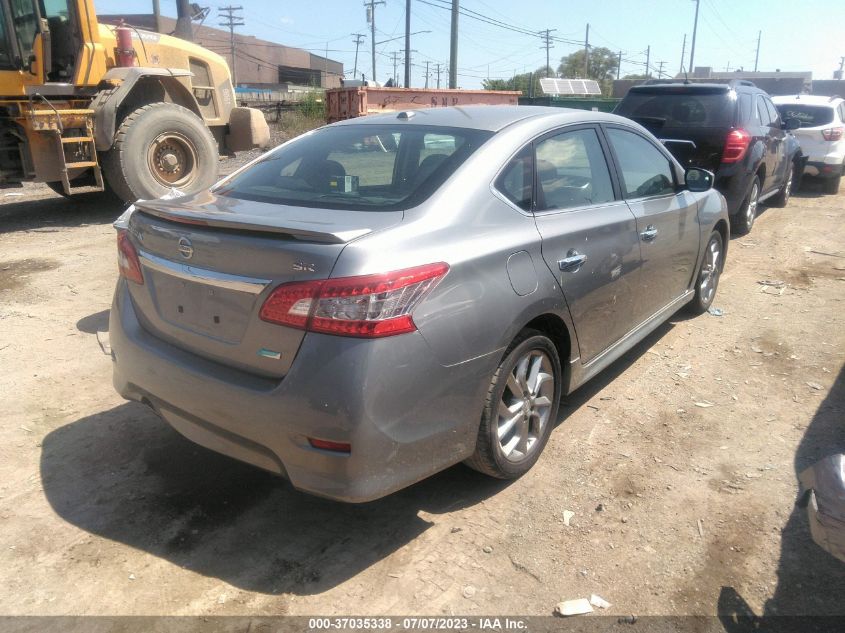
(745,103)
(774,116)
(763,116)
(646,172)
(572,171)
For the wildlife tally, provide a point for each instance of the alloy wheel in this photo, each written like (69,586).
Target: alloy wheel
(710,271)
(751,209)
(525,405)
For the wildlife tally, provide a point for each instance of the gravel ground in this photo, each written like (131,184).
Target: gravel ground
(678,508)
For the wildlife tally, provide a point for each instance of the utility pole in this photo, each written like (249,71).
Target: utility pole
(587,53)
(619,65)
(683,54)
(231,20)
(660,70)
(407,43)
(157,15)
(453,47)
(408,64)
(359,38)
(647,61)
(757,56)
(841,67)
(371,18)
(395,55)
(438,75)
(547,44)
(426,74)
(694,31)
(183,21)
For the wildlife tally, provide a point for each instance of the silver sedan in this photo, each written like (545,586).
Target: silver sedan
(384,297)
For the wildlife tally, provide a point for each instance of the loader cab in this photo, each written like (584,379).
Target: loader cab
(40,38)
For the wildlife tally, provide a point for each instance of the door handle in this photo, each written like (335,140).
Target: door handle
(572,262)
(649,234)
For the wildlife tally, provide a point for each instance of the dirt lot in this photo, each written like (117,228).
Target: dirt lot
(679,508)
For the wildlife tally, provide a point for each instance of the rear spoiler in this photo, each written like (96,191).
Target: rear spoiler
(304,229)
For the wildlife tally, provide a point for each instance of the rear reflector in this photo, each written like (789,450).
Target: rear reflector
(367,306)
(833,134)
(127,259)
(736,145)
(326,445)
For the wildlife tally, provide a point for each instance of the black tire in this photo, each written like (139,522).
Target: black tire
(782,198)
(742,222)
(707,277)
(831,185)
(490,457)
(170,137)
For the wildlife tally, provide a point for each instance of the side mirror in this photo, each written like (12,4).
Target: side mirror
(791,124)
(698,179)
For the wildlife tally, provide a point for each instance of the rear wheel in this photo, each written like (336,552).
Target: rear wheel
(707,280)
(782,197)
(520,409)
(742,222)
(831,185)
(159,147)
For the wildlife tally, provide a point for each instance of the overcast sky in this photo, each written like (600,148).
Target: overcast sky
(795,35)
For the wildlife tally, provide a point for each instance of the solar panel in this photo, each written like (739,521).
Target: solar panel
(554,86)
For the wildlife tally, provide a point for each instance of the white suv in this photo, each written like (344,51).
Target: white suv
(822,134)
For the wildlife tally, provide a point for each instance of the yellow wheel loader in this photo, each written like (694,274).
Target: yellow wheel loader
(137,113)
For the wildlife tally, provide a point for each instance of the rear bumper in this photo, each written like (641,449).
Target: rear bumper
(405,416)
(825,168)
(734,182)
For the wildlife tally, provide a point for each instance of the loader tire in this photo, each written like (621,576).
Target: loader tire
(159,147)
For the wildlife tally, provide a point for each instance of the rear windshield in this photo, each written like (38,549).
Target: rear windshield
(809,115)
(358,167)
(690,110)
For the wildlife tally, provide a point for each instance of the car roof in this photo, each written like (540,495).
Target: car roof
(481,117)
(816,100)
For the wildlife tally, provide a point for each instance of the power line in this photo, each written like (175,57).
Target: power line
(231,20)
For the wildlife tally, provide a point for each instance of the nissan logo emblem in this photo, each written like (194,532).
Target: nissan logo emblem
(186,249)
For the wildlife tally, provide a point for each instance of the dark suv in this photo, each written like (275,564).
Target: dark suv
(733,130)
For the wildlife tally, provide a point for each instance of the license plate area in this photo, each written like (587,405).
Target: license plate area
(212,311)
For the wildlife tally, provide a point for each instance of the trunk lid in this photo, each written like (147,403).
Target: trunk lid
(209,262)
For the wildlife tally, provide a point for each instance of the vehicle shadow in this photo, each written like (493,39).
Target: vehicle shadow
(93,323)
(584,394)
(44,210)
(809,580)
(125,475)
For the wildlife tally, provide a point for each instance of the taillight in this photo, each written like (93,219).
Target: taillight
(127,259)
(736,145)
(368,306)
(833,134)
(327,445)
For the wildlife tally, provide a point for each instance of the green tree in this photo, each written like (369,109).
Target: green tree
(602,68)
(521,82)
